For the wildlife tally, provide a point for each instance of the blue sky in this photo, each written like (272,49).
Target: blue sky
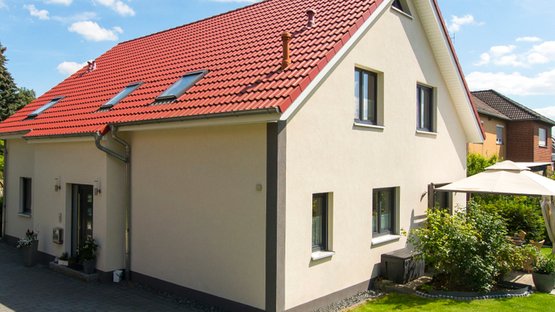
(507,45)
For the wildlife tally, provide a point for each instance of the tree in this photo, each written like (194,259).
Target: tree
(12,98)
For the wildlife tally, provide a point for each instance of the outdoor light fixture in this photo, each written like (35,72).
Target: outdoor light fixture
(57,184)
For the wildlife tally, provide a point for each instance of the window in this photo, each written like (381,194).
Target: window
(366,96)
(25,195)
(181,86)
(499,134)
(383,211)
(319,222)
(401,5)
(44,107)
(120,96)
(543,137)
(425,109)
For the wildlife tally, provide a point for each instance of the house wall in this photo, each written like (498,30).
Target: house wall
(490,147)
(198,219)
(523,142)
(327,153)
(72,163)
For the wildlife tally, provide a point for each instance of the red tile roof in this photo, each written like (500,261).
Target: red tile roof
(240,49)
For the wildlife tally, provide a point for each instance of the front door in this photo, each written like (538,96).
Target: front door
(82,215)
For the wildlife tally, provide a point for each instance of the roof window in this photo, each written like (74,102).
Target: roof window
(402,6)
(181,86)
(120,96)
(44,107)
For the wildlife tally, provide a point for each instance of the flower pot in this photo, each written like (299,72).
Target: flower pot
(30,253)
(88,266)
(544,282)
(63,262)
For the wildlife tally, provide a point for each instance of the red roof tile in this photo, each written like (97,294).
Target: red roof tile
(240,49)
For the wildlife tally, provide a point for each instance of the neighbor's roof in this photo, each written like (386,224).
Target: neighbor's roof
(493,101)
(485,109)
(241,51)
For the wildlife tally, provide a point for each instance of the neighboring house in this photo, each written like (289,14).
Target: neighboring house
(513,131)
(242,166)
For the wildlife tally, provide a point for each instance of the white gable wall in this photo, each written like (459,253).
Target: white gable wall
(326,153)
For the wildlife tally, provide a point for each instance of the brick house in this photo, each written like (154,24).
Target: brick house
(513,131)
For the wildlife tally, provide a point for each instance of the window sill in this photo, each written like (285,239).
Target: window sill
(369,126)
(426,133)
(401,12)
(542,146)
(25,215)
(385,239)
(319,255)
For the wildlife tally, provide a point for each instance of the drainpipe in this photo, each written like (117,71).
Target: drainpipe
(4,193)
(125,158)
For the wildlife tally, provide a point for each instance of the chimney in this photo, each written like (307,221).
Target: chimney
(286,38)
(311,18)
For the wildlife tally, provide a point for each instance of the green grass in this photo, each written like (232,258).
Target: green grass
(399,302)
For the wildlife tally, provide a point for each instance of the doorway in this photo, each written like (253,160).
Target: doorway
(81,215)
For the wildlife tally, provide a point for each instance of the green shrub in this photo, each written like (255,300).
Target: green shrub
(519,213)
(545,265)
(476,163)
(466,251)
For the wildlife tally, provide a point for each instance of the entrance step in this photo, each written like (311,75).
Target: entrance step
(73,273)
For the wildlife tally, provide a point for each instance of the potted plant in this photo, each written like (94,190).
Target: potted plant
(87,255)
(544,273)
(63,259)
(29,244)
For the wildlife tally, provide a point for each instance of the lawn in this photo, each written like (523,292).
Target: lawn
(399,302)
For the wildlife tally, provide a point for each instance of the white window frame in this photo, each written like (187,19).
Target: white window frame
(542,143)
(499,141)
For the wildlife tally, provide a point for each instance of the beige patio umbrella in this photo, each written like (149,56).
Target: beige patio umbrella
(509,178)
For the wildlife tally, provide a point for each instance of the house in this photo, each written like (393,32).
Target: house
(513,131)
(255,159)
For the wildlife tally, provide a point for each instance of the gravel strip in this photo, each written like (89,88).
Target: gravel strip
(350,302)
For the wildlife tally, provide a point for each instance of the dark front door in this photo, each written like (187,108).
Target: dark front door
(82,215)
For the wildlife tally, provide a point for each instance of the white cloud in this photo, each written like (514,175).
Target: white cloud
(501,55)
(68,68)
(118,6)
(3,4)
(485,58)
(528,39)
(500,50)
(84,16)
(545,52)
(94,32)
(514,83)
(548,112)
(40,14)
(458,21)
(63,2)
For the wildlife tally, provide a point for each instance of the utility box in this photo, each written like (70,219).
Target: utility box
(401,267)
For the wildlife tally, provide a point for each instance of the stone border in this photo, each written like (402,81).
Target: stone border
(513,290)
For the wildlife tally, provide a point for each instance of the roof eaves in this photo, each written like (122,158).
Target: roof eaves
(535,114)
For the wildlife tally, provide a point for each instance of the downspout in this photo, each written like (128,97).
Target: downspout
(4,193)
(125,158)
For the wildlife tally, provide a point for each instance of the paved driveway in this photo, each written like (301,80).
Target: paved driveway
(40,289)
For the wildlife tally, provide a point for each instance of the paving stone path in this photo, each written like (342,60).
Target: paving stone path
(40,289)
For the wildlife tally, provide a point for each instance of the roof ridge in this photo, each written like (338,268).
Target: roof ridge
(194,22)
(526,109)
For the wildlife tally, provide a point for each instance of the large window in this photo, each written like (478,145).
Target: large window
(499,134)
(543,137)
(319,222)
(366,96)
(181,86)
(120,96)
(425,108)
(383,211)
(46,106)
(25,195)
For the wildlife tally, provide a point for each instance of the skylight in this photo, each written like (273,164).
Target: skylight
(45,107)
(120,96)
(181,86)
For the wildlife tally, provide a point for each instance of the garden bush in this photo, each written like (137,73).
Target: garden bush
(476,163)
(466,251)
(519,213)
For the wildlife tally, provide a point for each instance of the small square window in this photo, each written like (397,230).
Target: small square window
(320,212)
(425,108)
(366,96)
(542,137)
(384,211)
(25,187)
(499,134)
